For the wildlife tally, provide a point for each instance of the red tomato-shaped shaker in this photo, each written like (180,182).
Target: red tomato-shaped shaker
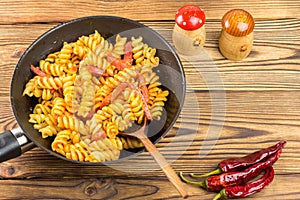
(236,39)
(189,31)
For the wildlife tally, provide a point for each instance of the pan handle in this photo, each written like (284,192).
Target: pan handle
(13,143)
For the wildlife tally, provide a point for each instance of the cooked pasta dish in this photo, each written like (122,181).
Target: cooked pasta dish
(90,91)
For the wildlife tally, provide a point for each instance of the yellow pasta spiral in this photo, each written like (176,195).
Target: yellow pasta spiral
(79,153)
(48,131)
(51,120)
(87,44)
(111,71)
(42,108)
(101,94)
(121,123)
(158,103)
(85,92)
(61,143)
(59,107)
(93,126)
(71,122)
(91,41)
(130,142)
(48,94)
(65,54)
(138,49)
(72,104)
(96,60)
(104,47)
(49,82)
(37,118)
(63,140)
(81,50)
(150,58)
(111,129)
(127,115)
(126,75)
(118,49)
(72,67)
(31,88)
(106,155)
(51,68)
(136,105)
(143,54)
(104,114)
(104,150)
(117,106)
(103,145)
(153,90)
(51,57)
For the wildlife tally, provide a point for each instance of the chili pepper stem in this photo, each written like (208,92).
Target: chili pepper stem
(201,184)
(220,195)
(215,172)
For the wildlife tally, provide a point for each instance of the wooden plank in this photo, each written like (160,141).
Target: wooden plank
(16,11)
(127,188)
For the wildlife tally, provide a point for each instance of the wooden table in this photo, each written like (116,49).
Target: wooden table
(254,103)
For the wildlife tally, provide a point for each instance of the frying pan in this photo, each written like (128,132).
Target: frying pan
(14,142)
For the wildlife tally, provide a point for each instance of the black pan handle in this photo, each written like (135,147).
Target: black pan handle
(13,143)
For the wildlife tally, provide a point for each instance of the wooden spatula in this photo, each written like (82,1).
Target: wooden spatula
(159,158)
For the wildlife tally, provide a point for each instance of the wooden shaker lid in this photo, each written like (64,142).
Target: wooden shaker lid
(238,22)
(190,17)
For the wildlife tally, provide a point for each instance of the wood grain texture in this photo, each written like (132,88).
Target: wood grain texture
(16,11)
(254,103)
(122,188)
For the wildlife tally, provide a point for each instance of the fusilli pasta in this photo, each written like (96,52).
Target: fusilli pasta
(90,91)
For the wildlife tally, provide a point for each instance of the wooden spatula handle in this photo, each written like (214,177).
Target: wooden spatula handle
(165,166)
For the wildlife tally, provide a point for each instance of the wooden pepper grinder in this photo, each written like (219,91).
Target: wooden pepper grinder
(236,39)
(189,31)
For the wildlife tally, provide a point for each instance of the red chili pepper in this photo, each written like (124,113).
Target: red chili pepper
(128,55)
(245,190)
(117,62)
(105,102)
(100,135)
(38,72)
(52,91)
(113,95)
(87,117)
(96,71)
(143,86)
(236,164)
(218,182)
(127,60)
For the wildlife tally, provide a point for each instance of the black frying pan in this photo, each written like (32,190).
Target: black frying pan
(170,70)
